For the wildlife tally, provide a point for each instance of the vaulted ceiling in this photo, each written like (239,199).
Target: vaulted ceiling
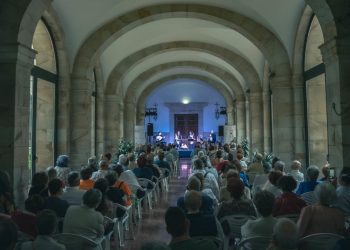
(140,42)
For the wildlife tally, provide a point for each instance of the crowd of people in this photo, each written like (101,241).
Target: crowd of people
(275,199)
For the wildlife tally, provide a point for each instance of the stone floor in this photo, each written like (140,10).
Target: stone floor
(152,226)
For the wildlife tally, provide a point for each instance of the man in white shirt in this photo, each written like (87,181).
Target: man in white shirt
(72,194)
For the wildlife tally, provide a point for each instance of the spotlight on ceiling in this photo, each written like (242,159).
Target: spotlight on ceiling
(185,101)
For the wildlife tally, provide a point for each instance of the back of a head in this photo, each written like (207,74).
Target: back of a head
(103,165)
(175,220)
(285,234)
(46,222)
(161,154)
(40,179)
(102,185)
(325,193)
(34,203)
(155,245)
(73,179)
(264,202)
(92,161)
(55,186)
(198,164)
(51,173)
(287,183)
(258,157)
(232,173)
(111,178)
(123,159)
(194,183)
(141,160)
(267,167)
(193,200)
(92,198)
(62,161)
(312,172)
(86,173)
(236,187)
(8,234)
(274,176)
(279,165)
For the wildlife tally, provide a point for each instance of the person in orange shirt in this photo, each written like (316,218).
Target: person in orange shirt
(85,182)
(125,187)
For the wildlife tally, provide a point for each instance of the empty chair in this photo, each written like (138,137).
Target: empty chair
(150,187)
(321,241)
(254,243)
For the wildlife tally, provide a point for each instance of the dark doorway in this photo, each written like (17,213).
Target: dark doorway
(186,123)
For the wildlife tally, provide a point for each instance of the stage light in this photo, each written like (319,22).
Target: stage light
(185,101)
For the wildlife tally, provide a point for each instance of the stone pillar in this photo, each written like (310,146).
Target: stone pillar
(336,56)
(267,121)
(256,121)
(112,122)
(80,145)
(129,121)
(282,117)
(230,115)
(16,62)
(241,120)
(248,122)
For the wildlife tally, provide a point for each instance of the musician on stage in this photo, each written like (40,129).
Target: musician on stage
(178,138)
(159,137)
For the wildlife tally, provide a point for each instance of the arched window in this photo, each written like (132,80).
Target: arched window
(43,91)
(316,139)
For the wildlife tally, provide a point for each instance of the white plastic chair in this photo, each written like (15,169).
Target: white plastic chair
(75,241)
(217,241)
(235,222)
(150,192)
(123,224)
(254,243)
(321,241)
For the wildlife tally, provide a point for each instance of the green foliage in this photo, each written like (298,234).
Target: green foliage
(268,157)
(125,147)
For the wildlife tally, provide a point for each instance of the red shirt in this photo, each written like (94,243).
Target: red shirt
(288,203)
(25,222)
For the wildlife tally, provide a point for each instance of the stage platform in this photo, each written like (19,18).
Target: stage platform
(185,153)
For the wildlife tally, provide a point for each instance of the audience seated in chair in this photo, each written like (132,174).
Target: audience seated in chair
(101,172)
(178,226)
(206,204)
(285,235)
(142,171)
(71,193)
(105,207)
(343,191)
(39,184)
(295,172)
(84,220)
(312,173)
(161,162)
(85,182)
(257,166)
(114,194)
(62,168)
(46,224)
(200,224)
(54,201)
(263,226)
(260,180)
(130,178)
(237,205)
(225,195)
(51,173)
(8,234)
(271,185)
(206,190)
(123,185)
(322,218)
(288,202)
(26,220)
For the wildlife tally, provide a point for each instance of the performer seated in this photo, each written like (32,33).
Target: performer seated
(191,136)
(159,137)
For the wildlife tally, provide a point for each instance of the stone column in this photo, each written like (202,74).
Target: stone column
(248,122)
(256,121)
(16,62)
(230,115)
(129,121)
(282,117)
(267,121)
(336,56)
(80,144)
(112,122)
(241,120)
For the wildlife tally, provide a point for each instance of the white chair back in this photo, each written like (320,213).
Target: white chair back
(309,198)
(75,241)
(254,243)
(321,241)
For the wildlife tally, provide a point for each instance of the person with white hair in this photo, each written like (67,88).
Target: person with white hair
(322,217)
(285,235)
(102,172)
(295,172)
(123,161)
(312,173)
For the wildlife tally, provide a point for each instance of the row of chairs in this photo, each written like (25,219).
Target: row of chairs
(125,224)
